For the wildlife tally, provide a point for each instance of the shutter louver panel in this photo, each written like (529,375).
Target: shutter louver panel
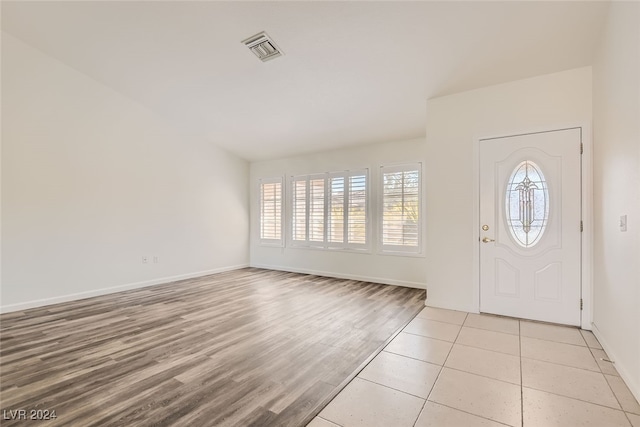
(401,208)
(392,209)
(299,210)
(335,216)
(316,210)
(271,211)
(357,210)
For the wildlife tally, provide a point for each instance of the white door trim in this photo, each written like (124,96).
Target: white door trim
(587,215)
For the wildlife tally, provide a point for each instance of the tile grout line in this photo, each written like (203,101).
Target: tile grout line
(490,330)
(432,338)
(329,421)
(391,388)
(486,349)
(566,366)
(576,399)
(482,376)
(409,357)
(472,414)
(583,338)
(626,414)
(613,366)
(440,371)
(557,342)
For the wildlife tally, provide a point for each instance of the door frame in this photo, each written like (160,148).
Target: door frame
(586,258)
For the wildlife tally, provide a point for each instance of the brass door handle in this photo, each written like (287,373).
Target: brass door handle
(487,240)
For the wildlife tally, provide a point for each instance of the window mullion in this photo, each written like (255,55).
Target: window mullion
(345,210)
(325,216)
(306,210)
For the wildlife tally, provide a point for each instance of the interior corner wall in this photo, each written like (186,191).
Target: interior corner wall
(616,129)
(92,182)
(454,123)
(371,266)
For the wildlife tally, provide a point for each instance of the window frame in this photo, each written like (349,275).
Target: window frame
(271,242)
(400,250)
(325,244)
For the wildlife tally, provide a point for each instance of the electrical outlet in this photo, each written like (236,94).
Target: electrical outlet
(145,259)
(156,259)
(623,223)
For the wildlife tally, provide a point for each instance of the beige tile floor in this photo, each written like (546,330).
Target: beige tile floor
(450,368)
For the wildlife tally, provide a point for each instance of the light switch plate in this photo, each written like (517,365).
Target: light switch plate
(623,223)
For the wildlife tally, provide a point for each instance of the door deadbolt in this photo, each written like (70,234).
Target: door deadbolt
(485,227)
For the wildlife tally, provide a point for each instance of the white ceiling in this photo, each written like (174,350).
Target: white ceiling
(353,72)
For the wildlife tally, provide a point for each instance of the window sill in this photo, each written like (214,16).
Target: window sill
(323,249)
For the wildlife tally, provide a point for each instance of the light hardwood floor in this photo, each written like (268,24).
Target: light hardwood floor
(248,347)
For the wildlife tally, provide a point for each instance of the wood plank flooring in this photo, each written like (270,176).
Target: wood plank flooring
(249,347)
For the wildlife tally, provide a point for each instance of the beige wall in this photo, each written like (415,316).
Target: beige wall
(453,125)
(616,125)
(92,181)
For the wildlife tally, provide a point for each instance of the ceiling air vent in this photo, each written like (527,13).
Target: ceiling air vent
(263,47)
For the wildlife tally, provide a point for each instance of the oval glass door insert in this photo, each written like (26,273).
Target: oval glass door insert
(527,204)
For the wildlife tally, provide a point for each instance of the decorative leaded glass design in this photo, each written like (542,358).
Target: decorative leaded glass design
(527,204)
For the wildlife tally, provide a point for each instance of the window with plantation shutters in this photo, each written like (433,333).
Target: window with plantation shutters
(329,210)
(271,211)
(400,209)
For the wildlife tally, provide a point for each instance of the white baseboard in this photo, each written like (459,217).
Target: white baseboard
(113,289)
(632,383)
(382,280)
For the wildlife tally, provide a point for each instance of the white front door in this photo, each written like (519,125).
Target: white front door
(530,226)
